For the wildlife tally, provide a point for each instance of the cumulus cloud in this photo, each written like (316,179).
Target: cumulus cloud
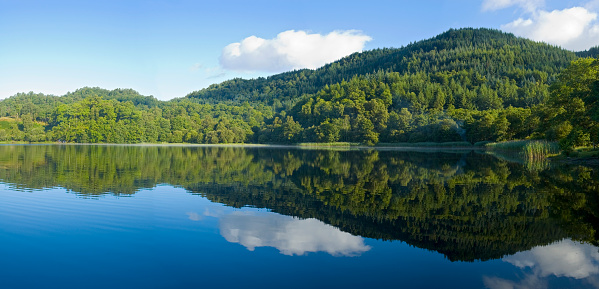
(291,236)
(291,50)
(574,28)
(528,5)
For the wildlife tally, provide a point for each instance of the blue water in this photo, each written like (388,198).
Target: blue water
(178,217)
(167,238)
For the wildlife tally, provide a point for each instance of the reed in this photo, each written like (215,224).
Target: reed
(537,165)
(539,150)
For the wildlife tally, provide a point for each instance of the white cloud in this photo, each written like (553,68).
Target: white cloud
(574,28)
(528,5)
(291,236)
(291,50)
(562,259)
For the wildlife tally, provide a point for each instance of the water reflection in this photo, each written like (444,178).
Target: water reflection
(291,236)
(566,258)
(464,205)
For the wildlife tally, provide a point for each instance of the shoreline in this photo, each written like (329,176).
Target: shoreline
(586,160)
(578,161)
(253,145)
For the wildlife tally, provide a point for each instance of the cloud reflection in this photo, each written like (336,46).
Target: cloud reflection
(565,258)
(194,216)
(529,282)
(291,236)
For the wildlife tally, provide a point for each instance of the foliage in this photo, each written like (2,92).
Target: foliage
(92,115)
(573,110)
(447,88)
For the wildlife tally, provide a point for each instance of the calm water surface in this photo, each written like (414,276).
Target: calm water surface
(77,216)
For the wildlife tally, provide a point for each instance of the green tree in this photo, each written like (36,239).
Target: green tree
(327,132)
(364,131)
(574,102)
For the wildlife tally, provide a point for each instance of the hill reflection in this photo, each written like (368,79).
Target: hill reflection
(467,206)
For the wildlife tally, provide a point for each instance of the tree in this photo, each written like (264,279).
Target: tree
(292,130)
(399,126)
(327,132)
(377,112)
(364,131)
(574,101)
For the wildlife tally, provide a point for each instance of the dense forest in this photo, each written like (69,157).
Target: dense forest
(465,205)
(94,115)
(464,85)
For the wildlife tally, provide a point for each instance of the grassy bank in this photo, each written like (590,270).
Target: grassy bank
(583,152)
(580,156)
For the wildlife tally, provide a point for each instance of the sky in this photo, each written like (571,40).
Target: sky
(169,49)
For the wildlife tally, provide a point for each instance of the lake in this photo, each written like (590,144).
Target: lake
(108,216)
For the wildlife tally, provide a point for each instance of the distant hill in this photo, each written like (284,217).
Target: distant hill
(41,105)
(592,52)
(487,53)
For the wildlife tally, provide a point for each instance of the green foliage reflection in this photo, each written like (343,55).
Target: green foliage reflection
(464,205)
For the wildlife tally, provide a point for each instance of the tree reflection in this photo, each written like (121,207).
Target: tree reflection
(465,205)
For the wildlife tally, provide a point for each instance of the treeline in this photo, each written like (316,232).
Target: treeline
(93,115)
(389,107)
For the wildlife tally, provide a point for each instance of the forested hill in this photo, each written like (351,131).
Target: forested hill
(464,85)
(592,52)
(41,106)
(487,56)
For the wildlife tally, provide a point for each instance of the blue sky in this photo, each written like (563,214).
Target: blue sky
(170,48)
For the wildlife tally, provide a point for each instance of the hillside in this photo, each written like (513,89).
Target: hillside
(463,85)
(41,106)
(487,53)
(96,115)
